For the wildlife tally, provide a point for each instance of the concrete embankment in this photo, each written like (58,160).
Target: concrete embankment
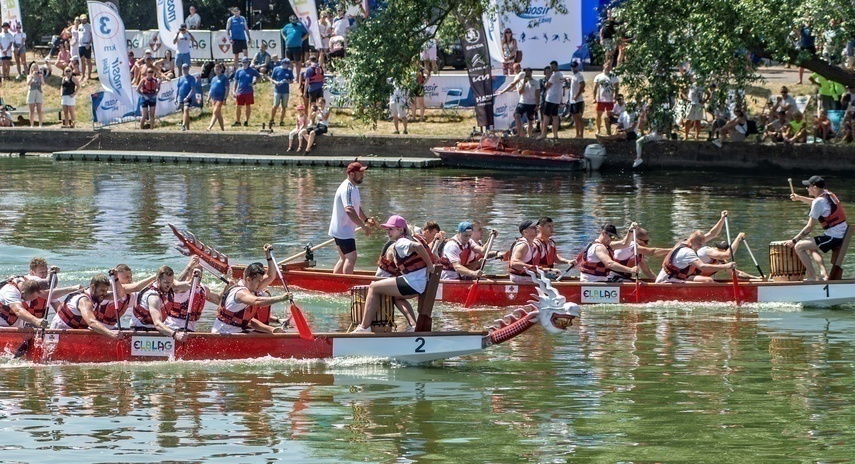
(671,155)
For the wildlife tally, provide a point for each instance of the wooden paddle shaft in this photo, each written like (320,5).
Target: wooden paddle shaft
(313,249)
(792,190)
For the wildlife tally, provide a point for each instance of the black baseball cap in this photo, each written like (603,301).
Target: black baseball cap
(526,224)
(815,180)
(610,229)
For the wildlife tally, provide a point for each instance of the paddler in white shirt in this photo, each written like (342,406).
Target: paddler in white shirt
(458,256)
(597,260)
(523,254)
(628,255)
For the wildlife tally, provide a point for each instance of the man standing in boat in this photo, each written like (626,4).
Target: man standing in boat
(413,259)
(347,215)
(826,210)
(597,261)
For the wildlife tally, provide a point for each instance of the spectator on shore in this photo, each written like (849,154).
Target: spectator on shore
(326,30)
(605,89)
(5,118)
(300,125)
(35,97)
(74,42)
(797,130)
(428,53)
(84,47)
(341,25)
(75,68)
(63,56)
(186,95)
(695,114)
(625,130)
(654,135)
(244,92)
(20,50)
(529,93)
(238,32)
(184,42)
(293,35)
(822,129)
(509,51)
(7,49)
(785,102)
(576,98)
(217,95)
(166,65)
(193,21)
(617,111)
(68,91)
(845,129)
(148,88)
(314,82)
(261,60)
(282,77)
(736,129)
(398,105)
(775,130)
(319,124)
(807,42)
(59,40)
(553,89)
(418,94)
(608,35)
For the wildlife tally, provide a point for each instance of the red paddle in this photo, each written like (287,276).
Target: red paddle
(637,261)
(735,277)
(296,313)
(473,290)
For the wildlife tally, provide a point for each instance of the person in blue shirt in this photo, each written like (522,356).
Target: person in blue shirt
(244,79)
(314,82)
(261,61)
(217,95)
(186,95)
(282,77)
(294,33)
(238,34)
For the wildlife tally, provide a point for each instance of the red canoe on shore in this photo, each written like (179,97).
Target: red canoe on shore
(497,156)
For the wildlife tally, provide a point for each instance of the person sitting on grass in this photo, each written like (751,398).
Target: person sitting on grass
(736,128)
(299,129)
(822,127)
(774,131)
(5,118)
(320,122)
(797,129)
(625,129)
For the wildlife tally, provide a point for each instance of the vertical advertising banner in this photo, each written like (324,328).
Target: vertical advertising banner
(110,47)
(478,67)
(170,15)
(307,11)
(11,12)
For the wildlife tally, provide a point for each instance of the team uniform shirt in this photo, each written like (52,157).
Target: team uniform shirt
(576,80)
(341,227)
(554,92)
(451,252)
(219,86)
(282,74)
(606,87)
(294,34)
(135,322)
(186,84)
(703,255)
(820,208)
(417,280)
(184,297)
(244,79)
(236,27)
(72,304)
(683,258)
(592,257)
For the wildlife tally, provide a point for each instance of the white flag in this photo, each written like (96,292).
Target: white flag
(111,53)
(170,15)
(11,12)
(307,12)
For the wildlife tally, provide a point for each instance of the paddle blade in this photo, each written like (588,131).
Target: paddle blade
(470,298)
(300,322)
(736,288)
(22,350)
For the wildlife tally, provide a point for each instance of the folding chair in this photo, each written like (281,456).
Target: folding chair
(452,104)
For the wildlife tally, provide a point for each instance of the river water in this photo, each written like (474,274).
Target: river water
(659,382)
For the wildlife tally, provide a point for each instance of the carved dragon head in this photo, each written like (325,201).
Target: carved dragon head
(554,313)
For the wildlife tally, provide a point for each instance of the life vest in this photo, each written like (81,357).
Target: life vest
(413,262)
(178,310)
(628,262)
(711,261)
(107,313)
(149,86)
(142,313)
(75,321)
(591,268)
(240,318)
(837,216)
(465,251)
(37,307)
(317,76)
(532,259)
(6,310)
(675,272)
(385,264)
(262,313)
(546,252)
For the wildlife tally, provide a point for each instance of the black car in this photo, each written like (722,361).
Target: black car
(450,55)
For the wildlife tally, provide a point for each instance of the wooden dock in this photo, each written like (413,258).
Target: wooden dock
(243,160)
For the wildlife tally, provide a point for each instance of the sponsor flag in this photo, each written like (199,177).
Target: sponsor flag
(170,15)
(307,11)
(478,67)
(111,51)
(11,12)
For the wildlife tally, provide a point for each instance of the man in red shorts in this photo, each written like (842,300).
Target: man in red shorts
(244,80)
(605,90)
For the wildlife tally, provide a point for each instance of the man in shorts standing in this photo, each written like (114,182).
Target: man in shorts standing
(186,95)
(293,34)
(282,77)
(398,105)
(7,43)
(576,99)
(605,89)
(84,47)
(826,210)
(554,90)
(244,92)
(238,34)
(347,215)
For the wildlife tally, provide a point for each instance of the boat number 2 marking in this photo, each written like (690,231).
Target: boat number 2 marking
(421,347)
(826,291)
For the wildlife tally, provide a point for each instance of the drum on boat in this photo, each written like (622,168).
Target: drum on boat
(384,318)
(784,264)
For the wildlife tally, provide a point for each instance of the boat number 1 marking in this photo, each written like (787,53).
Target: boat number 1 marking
(421,347)
(826,291)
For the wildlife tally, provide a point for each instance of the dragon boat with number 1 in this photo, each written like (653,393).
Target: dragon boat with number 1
(498,290)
